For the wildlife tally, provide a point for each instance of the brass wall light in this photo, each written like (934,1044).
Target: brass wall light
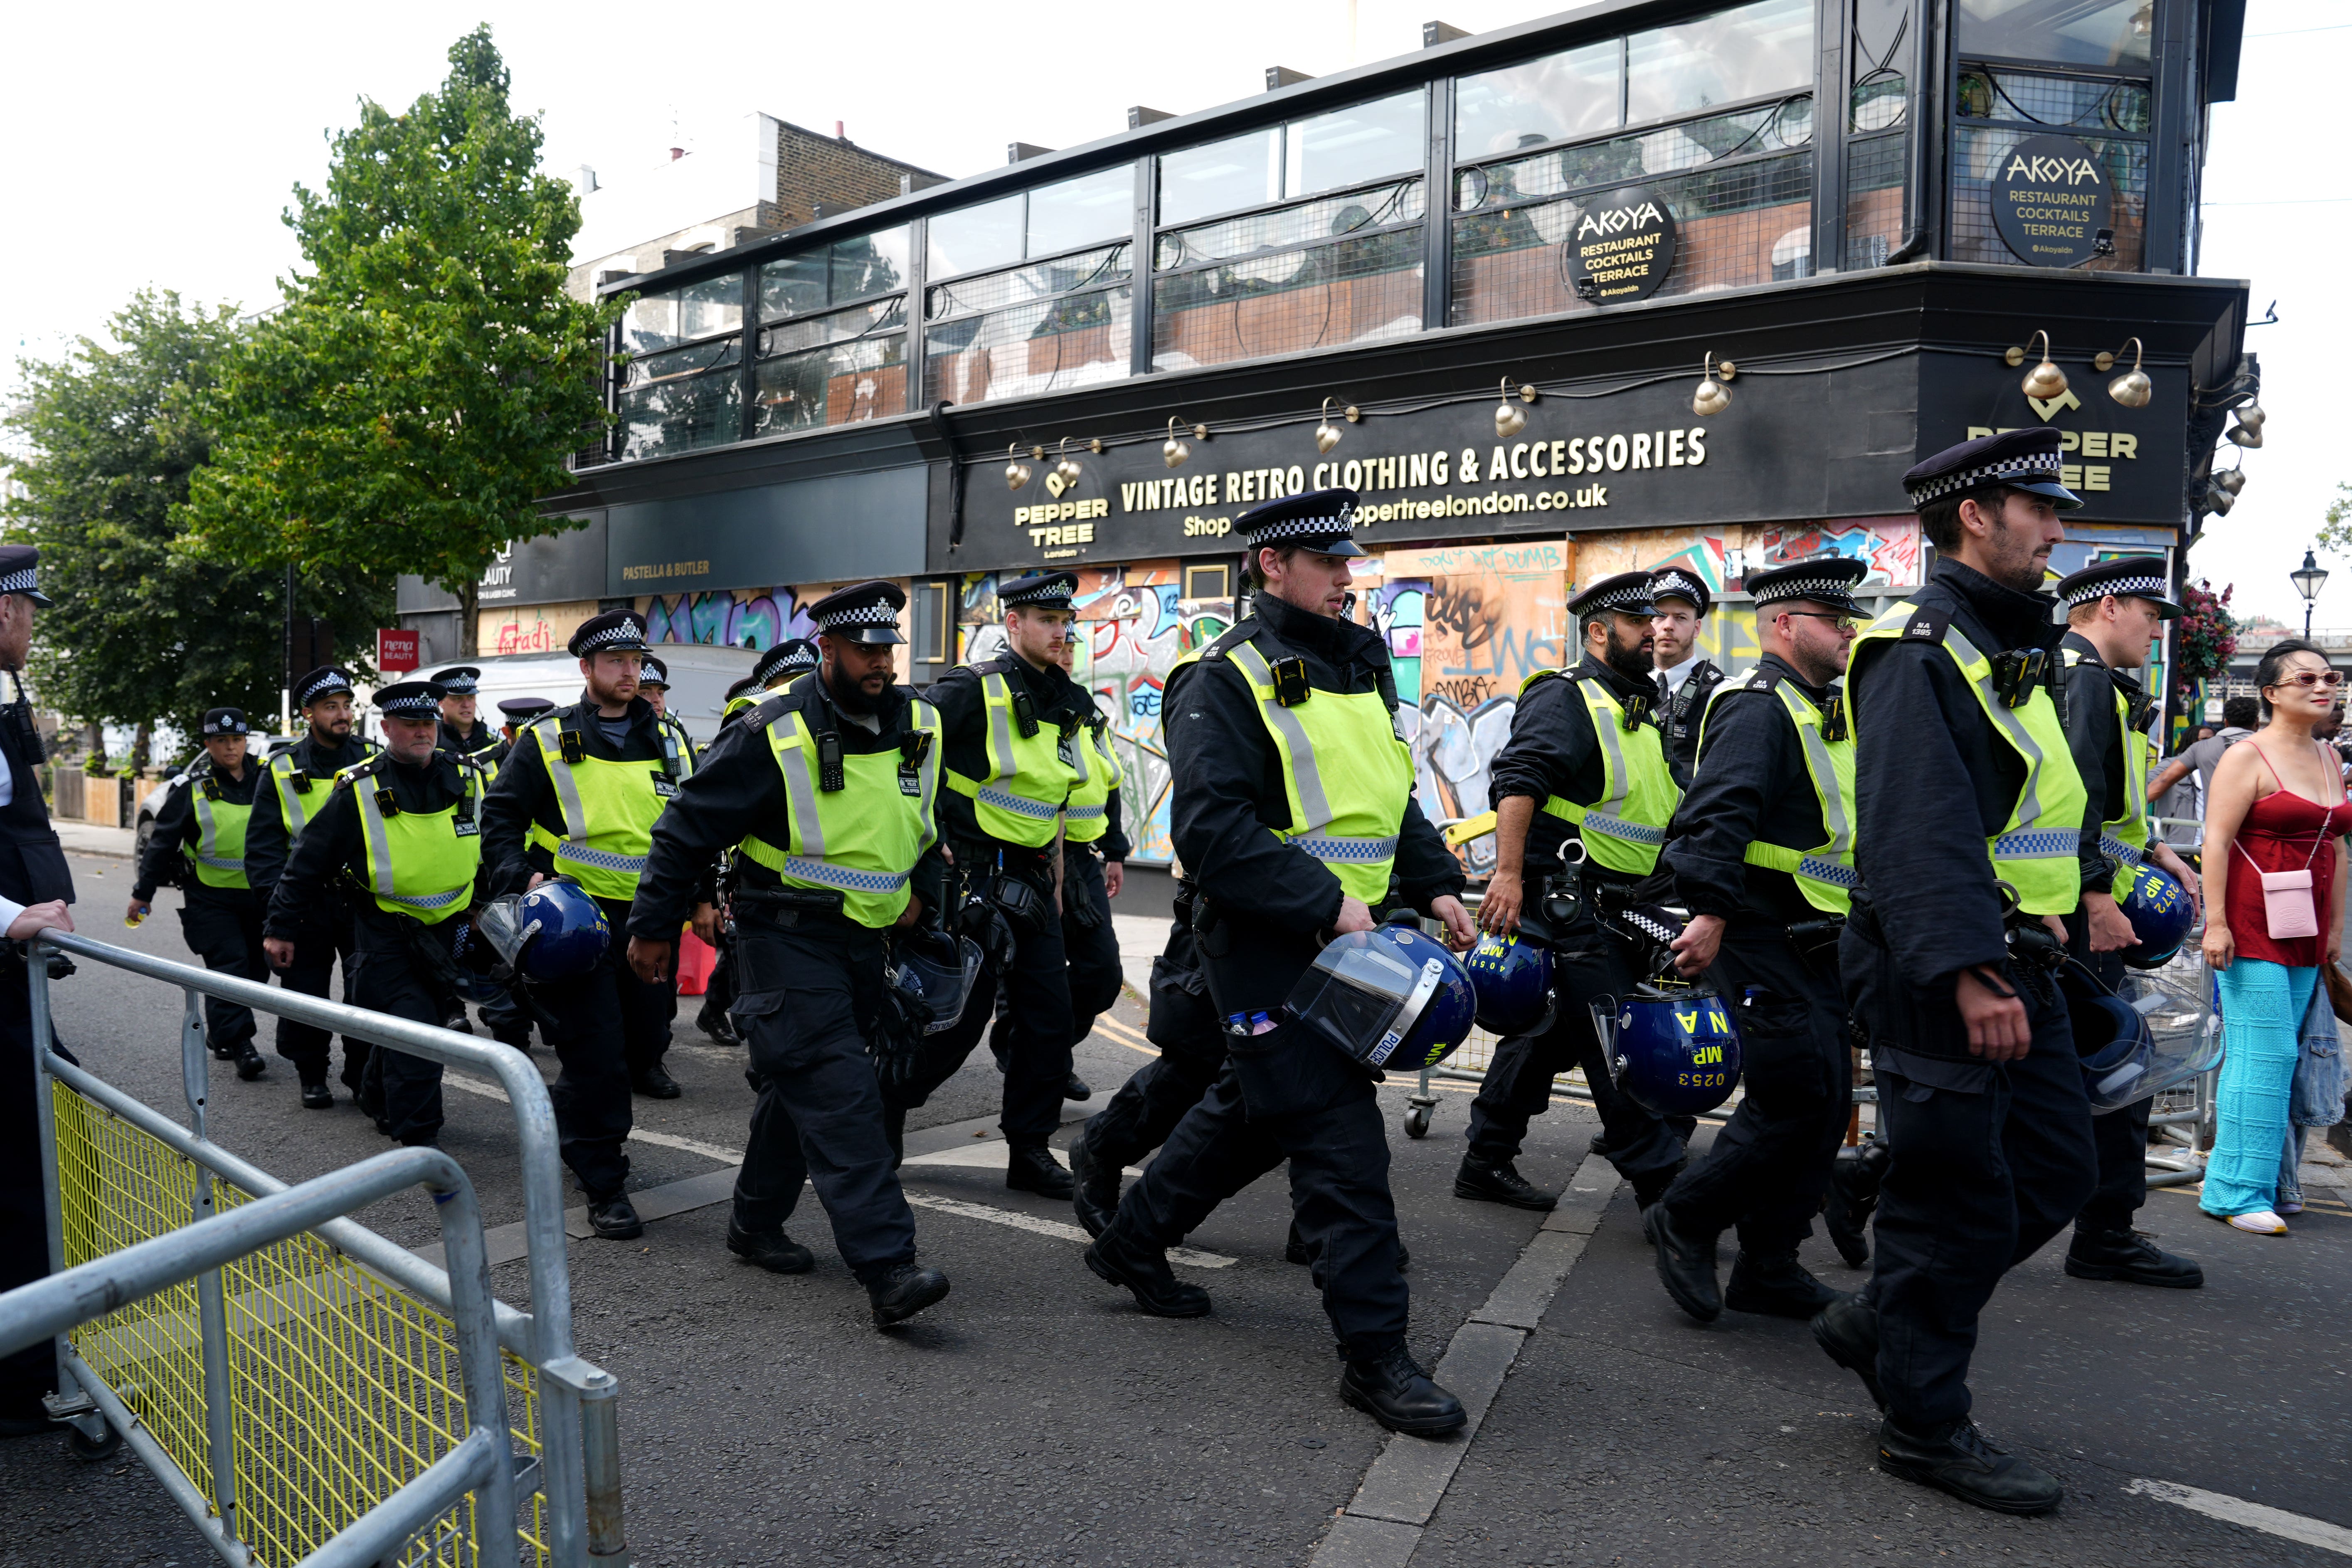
(2131,389)
(1509,421)
(2248,431)
(1712,397)
(1326,435)
(2044,381)
(1067,469)
(2231,479)
(2217,500)
(1174,452)
(1017,473)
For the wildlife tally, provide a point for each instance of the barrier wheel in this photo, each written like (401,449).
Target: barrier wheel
(89,1451)
(1416,1122)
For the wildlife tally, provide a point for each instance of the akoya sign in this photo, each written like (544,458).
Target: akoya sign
(1623,246)
(2050,199)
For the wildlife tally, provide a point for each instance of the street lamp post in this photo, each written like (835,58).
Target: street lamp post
(2308,579)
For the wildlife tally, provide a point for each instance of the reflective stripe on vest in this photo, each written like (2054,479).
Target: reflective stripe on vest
(219,853)
(1824,873)
(289,803)
(2035,851)
(1020,800)
(607,851)
(416,864)
(866,846)
(1085,817)
(1626,828)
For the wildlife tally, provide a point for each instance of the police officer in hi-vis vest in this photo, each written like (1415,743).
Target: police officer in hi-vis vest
(654,684)
(827,795)
(462,730)
(784,664)
(199,844)
(578,798)
(1292,812)
(1762,855)
(1687,678)
(2114,612)
(1015,728)
(298,780)
(1973,834)
(401,830)
(1585,759)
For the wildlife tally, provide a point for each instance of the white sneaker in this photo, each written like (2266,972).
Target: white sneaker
(2290,1208)
(2262,1222)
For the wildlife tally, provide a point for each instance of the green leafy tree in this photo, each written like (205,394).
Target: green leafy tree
(108,436)
(428,375)
(2335,531)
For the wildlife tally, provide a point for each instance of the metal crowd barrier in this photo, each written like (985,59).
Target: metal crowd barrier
(331,1395)
(123,1286)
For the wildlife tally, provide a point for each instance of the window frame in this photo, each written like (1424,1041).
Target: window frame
(1410,177)
(1160,224)
(1025,259)
(1951,122)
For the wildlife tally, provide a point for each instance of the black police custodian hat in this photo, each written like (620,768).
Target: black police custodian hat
(657,673)
(790,657)
(19,566)
(867,613)
(2129,576)
(2020,459)
(1826,580)
(1037,590)
(220,721)
(1625,594)
(1680,582)
(614,631)
(523,710)
(323,681)
(411,700)
(457,680)
(1323,520)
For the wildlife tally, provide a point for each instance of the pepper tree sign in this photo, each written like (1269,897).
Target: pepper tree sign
(2050,196)
(1622,247)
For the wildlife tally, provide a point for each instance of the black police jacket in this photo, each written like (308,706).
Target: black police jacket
(738,792)
(524,794)
(32,862)
(330,858)
(163,864)
(265,834)
(1679,715)
(1552,750)
(1227,782)
(475,742)
(1752,784)
(2097,741)
(1933,781)
(1054,698)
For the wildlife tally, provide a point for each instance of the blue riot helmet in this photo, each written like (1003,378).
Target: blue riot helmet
(932,974)
(1513,981)
(481,974)
(2113,1042)
(1675,1048)
(555,931)
(1391,996)
(2159,910)
(2176,1004)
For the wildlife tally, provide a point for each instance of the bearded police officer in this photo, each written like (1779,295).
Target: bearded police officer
(579,798)
(829,790)
(199,844)
(405,829)
(297,782)
(1585,759)
(462,730)
(1687,678)
(1762,854)
(1015,726)
(2114,612)
(1970,836)
(1292,812)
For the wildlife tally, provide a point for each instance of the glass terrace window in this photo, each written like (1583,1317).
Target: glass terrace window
(1878,107)
(1067,215)
(833,342)
(682,388)
(2106,35)
(1336,265)
(1044,327)
(1996,109)
(1742,53)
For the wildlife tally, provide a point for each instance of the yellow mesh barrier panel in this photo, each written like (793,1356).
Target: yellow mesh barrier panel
(343,1388)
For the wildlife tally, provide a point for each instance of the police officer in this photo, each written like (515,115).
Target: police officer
(1687,678)
(1292,810)
(2114,612)
(1970,836)
(35,891)
(1762,854)
(462,730)
(830,792)
(784,664)
(1585,759)
(404,829)
(298,784)
(579,798)
(719,991)
(199,844)
(654,685)
(1013,727)
(517,711)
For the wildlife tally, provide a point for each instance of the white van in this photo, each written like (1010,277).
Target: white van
(699,676)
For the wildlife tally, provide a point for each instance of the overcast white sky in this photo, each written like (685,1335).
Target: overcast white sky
(156,144)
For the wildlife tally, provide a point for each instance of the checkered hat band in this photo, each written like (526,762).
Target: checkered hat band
(1303,528)
(225,727)
(417,707)
(799,658)
(2122,587)
(627,632)
(2029,471)
(1052,594)
(1633,597)
(325,683)
(1674,583)
(19,582)
(1829,588)
(878,613)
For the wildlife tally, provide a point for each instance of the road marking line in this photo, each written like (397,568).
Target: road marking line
(1029,1222)
(718,1151)
(1125,1035)
(2253,1515)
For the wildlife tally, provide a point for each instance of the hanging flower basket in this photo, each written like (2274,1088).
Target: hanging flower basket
(2205,636)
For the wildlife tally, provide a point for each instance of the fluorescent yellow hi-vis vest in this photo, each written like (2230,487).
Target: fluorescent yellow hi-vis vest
(219,852)
(1347,777)
(419,863)
(1626,828)
(294,788)
(862,838)
(608,811)
(1031,768)
(2035,850)
(2124,839)
(1823,872)
(1086,817)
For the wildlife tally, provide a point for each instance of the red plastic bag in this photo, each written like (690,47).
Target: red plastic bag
(695,961)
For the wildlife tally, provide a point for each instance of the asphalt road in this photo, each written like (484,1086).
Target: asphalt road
(1035,1417)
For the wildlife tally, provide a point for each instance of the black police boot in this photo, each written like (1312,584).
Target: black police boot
(1777,1286)
(654,1083)
(249,1065)
(220,1052)
(1847,1331)
(1855,1177)
(1499,1183)
(1296,1250)
(904,1291)
(1032,1168)
(771,1249)
(2126,1254)
(1094,1187)
(1393,1389)
(1685,1263)
(1076,1087)
(713,1021)
(1963,1461)
(515,1038)
(1648,1189)
(318,1097)
(1117,1260)
(615,1218)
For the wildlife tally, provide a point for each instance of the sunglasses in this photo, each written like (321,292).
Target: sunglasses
(1843,623)
(2331,679)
